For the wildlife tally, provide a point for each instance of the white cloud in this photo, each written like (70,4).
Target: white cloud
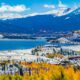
(48,6)
(11,12)
(17,8)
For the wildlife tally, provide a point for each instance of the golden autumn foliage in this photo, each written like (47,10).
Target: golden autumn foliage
(54,55)
(44,71)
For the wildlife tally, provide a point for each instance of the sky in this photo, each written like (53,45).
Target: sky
(10,9)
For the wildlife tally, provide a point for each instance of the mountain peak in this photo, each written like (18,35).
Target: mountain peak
(41,24)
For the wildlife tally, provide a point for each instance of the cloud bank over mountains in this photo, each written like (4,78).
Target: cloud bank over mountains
(20,11)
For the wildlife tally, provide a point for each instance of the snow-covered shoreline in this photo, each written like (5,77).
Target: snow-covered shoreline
(72,47)
(19,51)
(16,54)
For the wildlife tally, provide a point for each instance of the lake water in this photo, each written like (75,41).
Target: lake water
(20,44)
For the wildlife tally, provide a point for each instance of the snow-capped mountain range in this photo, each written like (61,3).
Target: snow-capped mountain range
(61,19)
(59,10)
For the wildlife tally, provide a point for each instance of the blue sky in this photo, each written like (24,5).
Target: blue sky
(31,2)
(25,7)
(37,2)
